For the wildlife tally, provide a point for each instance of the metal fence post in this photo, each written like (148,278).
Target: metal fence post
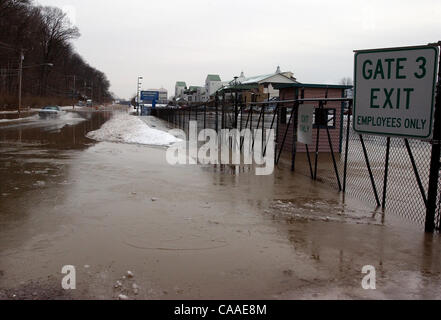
(333,158)
(216,107)
(294,131)
(263,126)
(348,130)
(285,135)
(317,143)
(277,133)
(223,126)
(276,110)
(205,116)
(368,165)
(251,120)
(415,170)
(189,119)
(386,172)
(223,116)
(236,110)
(435,161)
(240,102)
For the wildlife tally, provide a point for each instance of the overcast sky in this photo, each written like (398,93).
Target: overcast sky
(167,41)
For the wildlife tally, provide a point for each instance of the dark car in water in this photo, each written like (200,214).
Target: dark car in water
(50,112)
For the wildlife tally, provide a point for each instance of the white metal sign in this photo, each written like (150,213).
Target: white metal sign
(304,129)
(395,91)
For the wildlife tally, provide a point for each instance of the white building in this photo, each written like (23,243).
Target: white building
(163,95)
(202,94)
(180,88)
(212,84)
(263,84)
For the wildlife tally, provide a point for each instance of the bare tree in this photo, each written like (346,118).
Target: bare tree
(55,32)
(346,81)
(45,34)
(8,7)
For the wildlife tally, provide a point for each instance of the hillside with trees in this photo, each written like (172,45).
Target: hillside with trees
(53,73)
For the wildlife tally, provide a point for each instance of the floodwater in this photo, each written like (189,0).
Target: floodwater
(187,232)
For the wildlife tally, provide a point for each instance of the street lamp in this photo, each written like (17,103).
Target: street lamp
(20,76)
(137,93)
(74,89)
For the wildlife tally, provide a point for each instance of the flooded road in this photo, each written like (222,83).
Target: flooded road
(187,232)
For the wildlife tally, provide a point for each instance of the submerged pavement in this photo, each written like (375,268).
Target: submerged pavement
(188,232)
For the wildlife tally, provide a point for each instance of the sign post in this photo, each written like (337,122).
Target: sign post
(395,97)
(432,195)
(395,91)
(150,97)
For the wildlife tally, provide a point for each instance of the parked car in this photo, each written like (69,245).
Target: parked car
(50,112)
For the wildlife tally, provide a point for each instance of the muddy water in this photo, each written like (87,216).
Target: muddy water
(187,231)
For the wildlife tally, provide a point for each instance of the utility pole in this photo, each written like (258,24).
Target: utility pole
(74,90)
(91,91)
(20,79)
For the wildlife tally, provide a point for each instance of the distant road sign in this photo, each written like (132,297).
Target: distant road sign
(149,95)
(395,91)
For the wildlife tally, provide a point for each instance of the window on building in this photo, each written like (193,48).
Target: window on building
(323,117)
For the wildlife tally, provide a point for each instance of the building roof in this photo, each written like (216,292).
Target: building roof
(194,88)
(262,78)
(240,87)
(213,77)
(256,79)
(311,85)
(253,82)
(181,84)
(162,90)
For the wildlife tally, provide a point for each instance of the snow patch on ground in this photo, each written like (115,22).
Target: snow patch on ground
(125,128)
(64,118)
(8,112)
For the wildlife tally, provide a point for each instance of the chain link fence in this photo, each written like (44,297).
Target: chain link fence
(409,160)
(407,178)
